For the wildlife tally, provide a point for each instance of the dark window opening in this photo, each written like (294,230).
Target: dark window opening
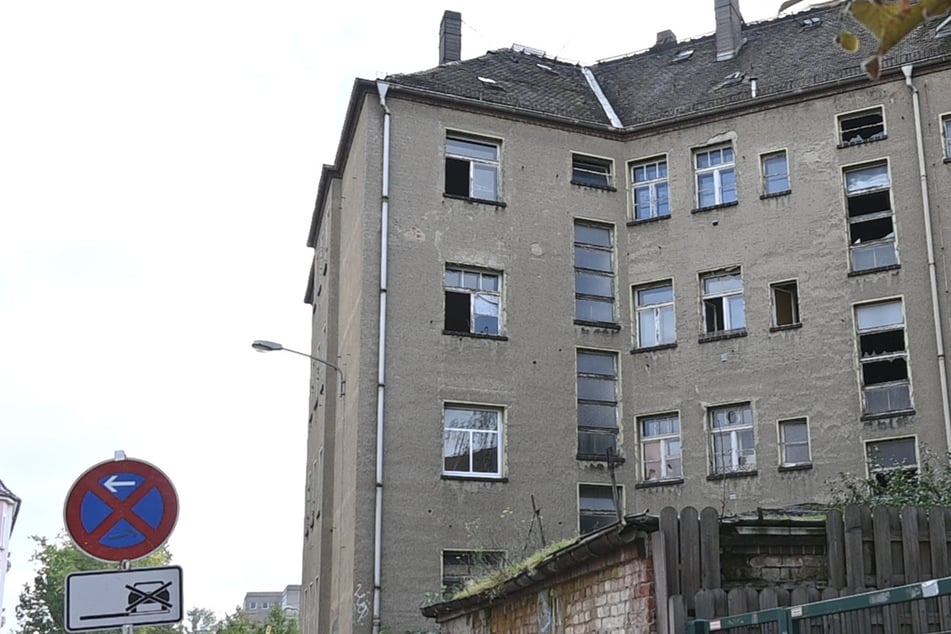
(874,202)
(457,312)
(460,567)
(870,230)
(875,372)
(713,312)
(883,343)
(785,304)
(596,507)
(863,126)
(457,177)
(587,170)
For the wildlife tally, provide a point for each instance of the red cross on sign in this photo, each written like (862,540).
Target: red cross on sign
(121,510)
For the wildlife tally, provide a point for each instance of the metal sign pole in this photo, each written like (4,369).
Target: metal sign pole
(126,565)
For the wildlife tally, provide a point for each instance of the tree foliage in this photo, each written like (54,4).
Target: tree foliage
(930,485)
(888,20)
(278,622)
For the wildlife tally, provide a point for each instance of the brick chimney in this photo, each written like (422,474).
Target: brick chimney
(665,39)
(450,37)
(729,28)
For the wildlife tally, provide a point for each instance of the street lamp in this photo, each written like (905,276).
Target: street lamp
(9,507)
(270,346)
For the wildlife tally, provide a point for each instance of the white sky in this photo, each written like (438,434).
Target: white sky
(158,167)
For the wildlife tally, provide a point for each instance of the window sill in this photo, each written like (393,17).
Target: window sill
(732,474)
(786,327)
(645,221)
(605,188)
(804,466)
(877,269)
(721,335)
(901,413)
(664,346)
(481,201)
(582,457)
(701,210)
(862,142)
(474,335)
(785,192)
(474,478)
(653,484)
(606,325)
(947,160)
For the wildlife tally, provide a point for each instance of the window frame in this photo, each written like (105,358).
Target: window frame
(582,403)
(658,188)
(485,568)
(499,434)
(473,294)
(739,463)
(883,357)
(657,309)
(663,440)
(873,473)
(852,115)
(595,273)
(717,171)
(705,297)
(783,444)
(765,176)
(584,163)
(794,304)
(870,193)
(474,162)
(617,500)
(945,121)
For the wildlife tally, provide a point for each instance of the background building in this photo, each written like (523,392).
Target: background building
(712,270)
(258,605)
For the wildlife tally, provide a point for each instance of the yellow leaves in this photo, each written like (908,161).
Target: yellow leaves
(847,41)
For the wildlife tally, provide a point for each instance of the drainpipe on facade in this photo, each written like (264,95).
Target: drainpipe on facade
(929,243)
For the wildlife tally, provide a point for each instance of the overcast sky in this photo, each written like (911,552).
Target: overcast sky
(158,167)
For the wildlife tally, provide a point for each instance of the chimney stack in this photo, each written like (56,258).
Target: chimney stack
(665,39)
(450,37)
(729,28)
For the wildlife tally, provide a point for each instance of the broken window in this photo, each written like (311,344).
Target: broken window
(649,192)
(461,567)
(597,381)
(473,301)
(597,506)
(594,273)
(883,357)
(472,441)
(775,173)
(472,168)
(886,457)
(656,320)
(733,447)
(794,442)
(716,178)
(591,171)
(862,126)
(724,308)
(871,223)
(785,296)
(661,447)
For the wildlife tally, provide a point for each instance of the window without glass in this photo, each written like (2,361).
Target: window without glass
(597,404)
(716,178)
(785,296)
(724,309)
(775,173)
(660,447)
(472,168)
(885,457)
(472,441)
(656,321)
(473,301)
(794,442)
(883,357)
(650,193)
(596,507)
(733,447)
(594,273)
(460,567)
(871,228)
(591,171)
(861,127)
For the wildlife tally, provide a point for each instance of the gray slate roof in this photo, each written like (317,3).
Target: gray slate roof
(783,55)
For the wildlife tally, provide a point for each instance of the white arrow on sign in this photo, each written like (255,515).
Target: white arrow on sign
(111,483)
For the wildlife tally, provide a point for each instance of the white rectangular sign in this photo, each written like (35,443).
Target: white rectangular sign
(108,599)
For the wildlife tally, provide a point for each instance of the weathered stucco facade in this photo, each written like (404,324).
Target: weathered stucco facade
(371,284)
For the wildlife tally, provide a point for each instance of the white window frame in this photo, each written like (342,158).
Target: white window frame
(946,134)
(484,292)
(742,458)
(657,312)
(865,137)
(607,516)
(873,470)
(727,300)
(611,383)
(656,188)
(775,288)
(778,183)
(585,270)
(478,164)
(886,387)
(591,170)
(785,444)
(469,434)
(669,448)
(884,250)
(719,171)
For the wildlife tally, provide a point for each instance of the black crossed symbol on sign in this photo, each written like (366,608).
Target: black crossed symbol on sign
(145,595)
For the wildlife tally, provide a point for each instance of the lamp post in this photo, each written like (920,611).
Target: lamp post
(270,346)
(9,507)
